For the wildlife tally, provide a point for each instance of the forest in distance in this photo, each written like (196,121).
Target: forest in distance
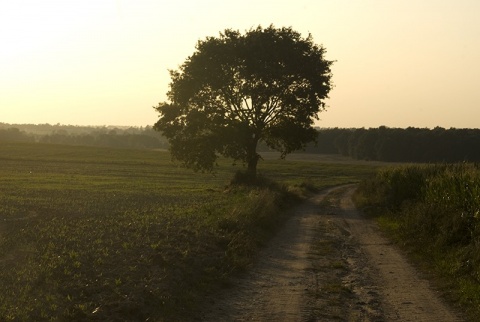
(100,136)
(375,144)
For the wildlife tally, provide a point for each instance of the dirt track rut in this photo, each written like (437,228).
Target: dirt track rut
(329,263)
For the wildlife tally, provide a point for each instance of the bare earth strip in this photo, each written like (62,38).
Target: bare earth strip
(329,263)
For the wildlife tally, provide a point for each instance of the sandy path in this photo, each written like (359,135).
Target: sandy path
(406,296)
(329,264)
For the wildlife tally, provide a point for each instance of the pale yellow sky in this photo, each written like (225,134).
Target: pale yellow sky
(399,63)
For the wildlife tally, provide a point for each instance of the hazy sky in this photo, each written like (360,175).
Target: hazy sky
(398,63)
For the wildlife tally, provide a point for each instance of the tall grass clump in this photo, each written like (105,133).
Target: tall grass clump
(253,220)
(435,211)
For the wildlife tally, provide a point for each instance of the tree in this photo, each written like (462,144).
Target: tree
(237,89)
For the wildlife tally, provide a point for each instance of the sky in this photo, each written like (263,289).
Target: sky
(398,63)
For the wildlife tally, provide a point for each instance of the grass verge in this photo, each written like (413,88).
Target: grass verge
(434,212)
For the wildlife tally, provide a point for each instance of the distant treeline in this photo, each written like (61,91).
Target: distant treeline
(118,137)
(14,134)
(379,144)
(401,145)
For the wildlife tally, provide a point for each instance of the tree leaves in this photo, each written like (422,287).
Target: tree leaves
(267,84)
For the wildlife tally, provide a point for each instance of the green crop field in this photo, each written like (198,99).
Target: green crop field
(89,233)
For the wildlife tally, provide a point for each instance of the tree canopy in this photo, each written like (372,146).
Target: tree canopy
(236,89)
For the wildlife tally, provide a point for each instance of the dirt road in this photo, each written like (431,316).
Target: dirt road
(329,264)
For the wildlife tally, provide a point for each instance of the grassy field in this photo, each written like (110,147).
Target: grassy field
(95,233)
(434,212)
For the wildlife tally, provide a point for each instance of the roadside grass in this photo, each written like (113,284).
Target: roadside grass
(114,234)
(434,212)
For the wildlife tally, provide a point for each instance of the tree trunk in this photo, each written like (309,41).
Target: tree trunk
(252,158)
(252,167)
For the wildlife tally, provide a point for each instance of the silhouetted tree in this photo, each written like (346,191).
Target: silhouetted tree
(237,89)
